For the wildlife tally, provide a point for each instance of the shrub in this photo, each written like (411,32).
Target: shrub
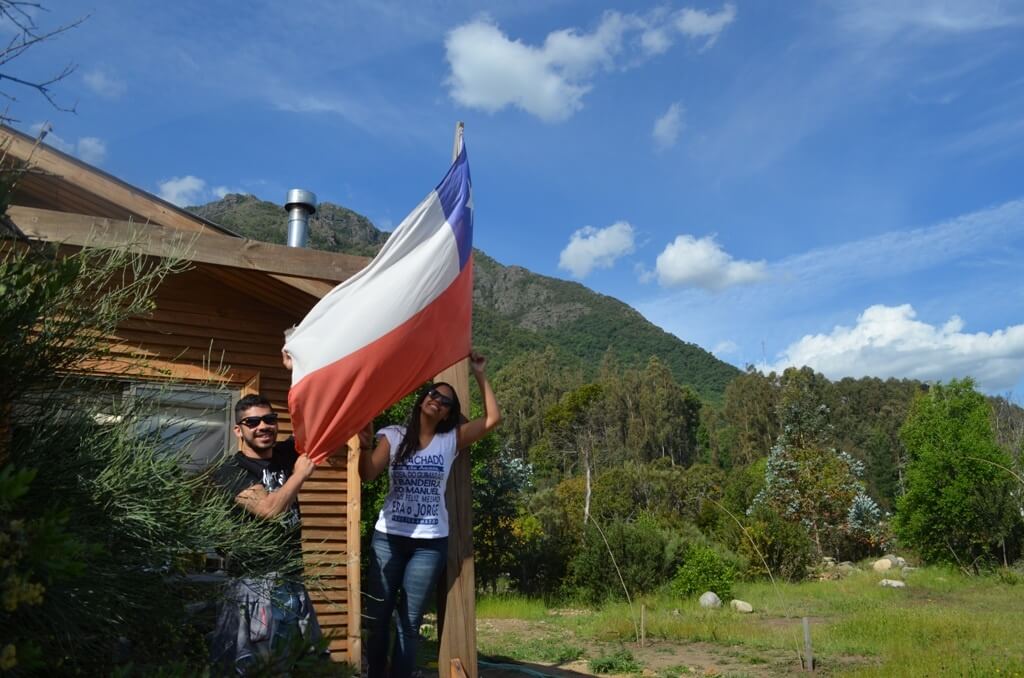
(961,504)
(639,550)
(620,661)
(785,547)
(704,570)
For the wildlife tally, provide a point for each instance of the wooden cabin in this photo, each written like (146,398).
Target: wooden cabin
(219,323)
(223,321)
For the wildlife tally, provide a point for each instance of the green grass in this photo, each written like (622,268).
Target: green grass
(943,623)
(546,650)
(509,606)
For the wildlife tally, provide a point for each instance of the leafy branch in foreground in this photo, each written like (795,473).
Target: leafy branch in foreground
(98,523)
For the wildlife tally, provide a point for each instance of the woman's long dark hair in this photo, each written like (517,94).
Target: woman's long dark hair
(411,442)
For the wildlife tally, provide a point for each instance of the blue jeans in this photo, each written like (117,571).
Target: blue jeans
(402,573)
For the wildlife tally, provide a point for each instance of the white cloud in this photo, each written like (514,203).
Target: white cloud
(221,191)
(887,18)
(591,248)
(725,347)
(103,84)
(182,191)
(92,150)
(50,137)
(693,262)
(490,71)
(192,190)
(668,126)
(656,40)
(697,24)
(889,341)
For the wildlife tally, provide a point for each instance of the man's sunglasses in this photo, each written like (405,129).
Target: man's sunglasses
(440,398)
(253,422)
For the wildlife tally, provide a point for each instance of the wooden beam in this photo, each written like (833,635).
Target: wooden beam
(457,605)
(209,248)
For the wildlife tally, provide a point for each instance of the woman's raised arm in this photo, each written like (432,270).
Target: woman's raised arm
(474,430)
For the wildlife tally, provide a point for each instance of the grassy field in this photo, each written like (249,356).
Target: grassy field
(942,624)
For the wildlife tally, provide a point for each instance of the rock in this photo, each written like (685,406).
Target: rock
(892,583)
(900,562)
(710,601)
(908,569)
(741,606)
(882,565)
(848,563)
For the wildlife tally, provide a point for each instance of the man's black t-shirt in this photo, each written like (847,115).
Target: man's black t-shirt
(239,474)
(271,474)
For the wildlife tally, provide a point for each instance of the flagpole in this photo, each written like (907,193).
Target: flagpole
(456,604)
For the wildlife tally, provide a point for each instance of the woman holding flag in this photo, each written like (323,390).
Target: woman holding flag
(409,547)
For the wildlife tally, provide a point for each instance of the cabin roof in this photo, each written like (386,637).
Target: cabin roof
(63,199)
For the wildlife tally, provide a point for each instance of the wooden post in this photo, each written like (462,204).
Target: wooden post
(456,613)
(808,651)
(352,564)
(643,622)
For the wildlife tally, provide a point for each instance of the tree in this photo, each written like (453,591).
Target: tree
(960,504)
(26,34)
(809,481)
(749,421)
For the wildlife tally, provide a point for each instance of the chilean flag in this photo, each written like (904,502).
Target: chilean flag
(387,329)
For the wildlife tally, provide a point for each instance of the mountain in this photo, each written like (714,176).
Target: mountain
(515,311)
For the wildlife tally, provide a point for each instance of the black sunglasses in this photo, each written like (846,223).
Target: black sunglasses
(253,422)
(440,398)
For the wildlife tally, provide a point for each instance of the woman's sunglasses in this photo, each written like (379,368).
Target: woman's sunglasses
(440,398)
(253,422)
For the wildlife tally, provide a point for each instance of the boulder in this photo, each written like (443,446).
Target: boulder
(741,606)
(907,569)
(892,583)
(882,565)
(710,601)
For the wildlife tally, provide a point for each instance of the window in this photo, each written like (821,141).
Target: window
(196,419)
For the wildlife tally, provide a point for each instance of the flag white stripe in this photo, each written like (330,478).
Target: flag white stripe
(416,265)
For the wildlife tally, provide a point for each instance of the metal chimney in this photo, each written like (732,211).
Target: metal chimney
(300,205)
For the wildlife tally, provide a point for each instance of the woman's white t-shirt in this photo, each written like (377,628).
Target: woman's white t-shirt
(415,505)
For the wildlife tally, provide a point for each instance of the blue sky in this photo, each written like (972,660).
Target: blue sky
(832,184)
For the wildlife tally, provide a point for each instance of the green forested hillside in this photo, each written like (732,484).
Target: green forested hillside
(515,311)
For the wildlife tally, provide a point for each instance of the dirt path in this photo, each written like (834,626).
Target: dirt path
(658,658)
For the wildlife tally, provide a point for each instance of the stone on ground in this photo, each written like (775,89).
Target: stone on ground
(741,606)
(892,583)
(710,601)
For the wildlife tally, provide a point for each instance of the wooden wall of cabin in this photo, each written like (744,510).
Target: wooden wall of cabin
(222,326)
